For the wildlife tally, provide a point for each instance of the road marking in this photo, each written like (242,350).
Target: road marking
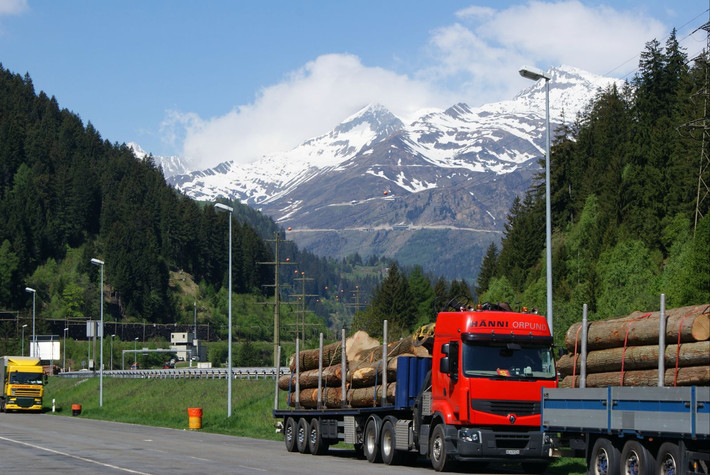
(252,468)
(199,458)
(83,459)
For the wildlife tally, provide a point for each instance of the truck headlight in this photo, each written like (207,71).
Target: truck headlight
(470,435)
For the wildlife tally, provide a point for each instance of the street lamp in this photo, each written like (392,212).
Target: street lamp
(112,351)
(535,74)
(135,352)
(99,263)
(64,350)
(23,339)
(34,336)
(220,206)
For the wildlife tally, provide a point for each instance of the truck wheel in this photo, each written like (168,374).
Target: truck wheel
(370,444)
(668,459)
(388,444)
(605,459)
(302,436)
(290,434)
(636,459)
(316,444)
(437,449)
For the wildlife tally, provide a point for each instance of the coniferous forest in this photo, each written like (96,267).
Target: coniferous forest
(630,210)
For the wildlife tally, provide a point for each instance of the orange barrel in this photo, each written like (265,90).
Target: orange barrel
(75,409)
(194,415)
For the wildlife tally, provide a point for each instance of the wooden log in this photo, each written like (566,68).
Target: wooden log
(308,359)
(689,376)
(330,397)
(692,322)
(366,397)
(637,357)
(309,379)
(363,374)
(403,346)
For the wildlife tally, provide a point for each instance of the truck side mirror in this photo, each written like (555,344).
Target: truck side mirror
(444,365)
(561,351)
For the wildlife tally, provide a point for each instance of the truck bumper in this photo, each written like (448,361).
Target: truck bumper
(487,445)
(22,403)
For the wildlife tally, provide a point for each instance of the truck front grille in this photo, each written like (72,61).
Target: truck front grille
(503,408)
(26,392)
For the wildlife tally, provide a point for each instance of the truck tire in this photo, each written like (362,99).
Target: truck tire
(302,436)
(437,449)
(290,434)
(605,458)
(668,459)
(636,459)
(316,444)
(388,444)
(370,444)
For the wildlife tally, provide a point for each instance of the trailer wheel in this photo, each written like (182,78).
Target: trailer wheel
(388,444)
(605,458)
(290,434)
(316,444)
(302,436)
(371,445)
(668,459)
(636,459)
(437,449)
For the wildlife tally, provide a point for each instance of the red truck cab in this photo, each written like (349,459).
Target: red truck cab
(488,371)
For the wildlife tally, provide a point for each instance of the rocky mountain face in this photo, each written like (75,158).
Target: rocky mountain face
(435,192)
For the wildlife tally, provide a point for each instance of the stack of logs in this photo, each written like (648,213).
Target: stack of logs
(363,381)
(624,351)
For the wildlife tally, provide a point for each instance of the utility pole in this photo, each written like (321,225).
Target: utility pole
(302,297)
(277,291)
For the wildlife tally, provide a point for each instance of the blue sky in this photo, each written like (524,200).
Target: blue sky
(220,80)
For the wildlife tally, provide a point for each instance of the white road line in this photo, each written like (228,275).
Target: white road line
(108,465)
(252,468)
(199,458)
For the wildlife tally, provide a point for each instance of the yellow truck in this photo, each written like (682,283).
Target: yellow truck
(22,383)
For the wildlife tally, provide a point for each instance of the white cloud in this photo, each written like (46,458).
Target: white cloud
(474,60)
(308,102)
(488,46)
(13,7)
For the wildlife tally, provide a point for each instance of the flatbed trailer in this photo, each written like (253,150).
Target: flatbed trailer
(660,430)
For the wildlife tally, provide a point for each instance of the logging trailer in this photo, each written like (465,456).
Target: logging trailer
(633,430)
(477,399)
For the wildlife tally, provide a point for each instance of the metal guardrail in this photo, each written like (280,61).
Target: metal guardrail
(184,373)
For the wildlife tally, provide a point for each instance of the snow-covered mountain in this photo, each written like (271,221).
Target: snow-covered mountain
(172,165)
(375,185)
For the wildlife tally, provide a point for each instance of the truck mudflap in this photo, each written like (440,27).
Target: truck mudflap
(473,443)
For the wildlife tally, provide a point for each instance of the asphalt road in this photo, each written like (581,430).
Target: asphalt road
(43,443)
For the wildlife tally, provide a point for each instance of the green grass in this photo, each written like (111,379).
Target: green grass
(164,403)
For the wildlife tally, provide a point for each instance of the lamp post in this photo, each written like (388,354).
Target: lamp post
(135,352)
(34,336)
(535,74)
(23,339)
(64,350)
(111,366)
(223,207)
(99,263)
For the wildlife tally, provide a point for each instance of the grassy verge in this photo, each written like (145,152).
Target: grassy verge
(164,403)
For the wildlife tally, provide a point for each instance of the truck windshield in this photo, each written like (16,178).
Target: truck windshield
(25,378)
(507,360)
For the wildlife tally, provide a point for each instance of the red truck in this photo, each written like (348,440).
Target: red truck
(476,400)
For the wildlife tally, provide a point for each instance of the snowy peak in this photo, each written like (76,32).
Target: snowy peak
(171,166)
